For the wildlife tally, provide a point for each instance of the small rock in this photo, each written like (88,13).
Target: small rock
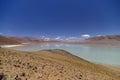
(2,76)
(22,74)
(17,78)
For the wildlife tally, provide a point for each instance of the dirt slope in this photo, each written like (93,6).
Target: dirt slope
(50,65)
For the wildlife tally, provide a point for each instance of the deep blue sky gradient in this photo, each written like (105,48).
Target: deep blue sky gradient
(59,17)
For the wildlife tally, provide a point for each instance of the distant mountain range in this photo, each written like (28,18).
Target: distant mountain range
(108,39)
(19,40)
(7,40)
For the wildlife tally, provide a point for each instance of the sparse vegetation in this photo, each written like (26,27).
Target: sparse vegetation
(50,65)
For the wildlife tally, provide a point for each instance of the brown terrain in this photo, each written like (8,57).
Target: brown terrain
(4,40)
(108,39)
(51,65)
(26,39)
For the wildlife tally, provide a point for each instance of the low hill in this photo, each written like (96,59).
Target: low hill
(50,65)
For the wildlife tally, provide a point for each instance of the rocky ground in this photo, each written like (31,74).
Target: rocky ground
(50,65)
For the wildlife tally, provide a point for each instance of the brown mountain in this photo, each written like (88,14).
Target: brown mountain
(108,39)
(26,39)
(30,39)
(19,40)
(7,40)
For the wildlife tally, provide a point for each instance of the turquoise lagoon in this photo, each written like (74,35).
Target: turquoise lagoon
(105,54)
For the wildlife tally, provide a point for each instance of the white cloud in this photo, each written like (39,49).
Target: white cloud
(85,35)
(47,39)
(67,38)
(58,38)
(73,38)
(43,37)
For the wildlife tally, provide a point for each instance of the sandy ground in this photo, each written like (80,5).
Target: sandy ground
(114,68)
(51,65)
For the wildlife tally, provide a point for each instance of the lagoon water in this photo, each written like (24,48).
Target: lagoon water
(105,54)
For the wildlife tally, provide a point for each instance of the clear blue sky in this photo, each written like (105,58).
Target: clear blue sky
(59,17)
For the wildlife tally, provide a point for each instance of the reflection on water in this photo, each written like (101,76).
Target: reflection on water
(106,54)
